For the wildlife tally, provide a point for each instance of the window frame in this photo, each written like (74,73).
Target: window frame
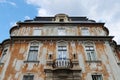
(3,55)
(96,76)
(29,75)
(33,49)
(90,49)
(38,33)
(61,20)
(62,44)
(61,31)
(90,52)
(62,52)
(85,31)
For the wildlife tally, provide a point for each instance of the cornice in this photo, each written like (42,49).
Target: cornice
(103,38)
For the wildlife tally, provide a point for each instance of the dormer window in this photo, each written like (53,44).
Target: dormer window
(61,20)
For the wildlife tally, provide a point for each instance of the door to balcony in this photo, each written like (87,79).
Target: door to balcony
(62,52)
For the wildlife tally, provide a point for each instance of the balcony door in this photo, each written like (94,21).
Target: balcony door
(62,50)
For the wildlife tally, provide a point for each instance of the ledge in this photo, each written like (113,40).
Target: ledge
(93,61)
(103,38)
(31,61)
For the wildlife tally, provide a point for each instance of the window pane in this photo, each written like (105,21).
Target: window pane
(33,47)
(88,55)
(93,55)
(61,31)
(90,52)
(32,56)
(33,52)
(28,77)
(62,52)
(96,77)
(85,31)
(37,32)
(61,20)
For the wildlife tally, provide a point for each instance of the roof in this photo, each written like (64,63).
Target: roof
(50,19)
(53,18)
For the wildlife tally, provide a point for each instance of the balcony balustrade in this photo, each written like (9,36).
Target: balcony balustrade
(62,64)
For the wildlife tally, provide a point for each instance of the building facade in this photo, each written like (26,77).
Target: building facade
(61,47)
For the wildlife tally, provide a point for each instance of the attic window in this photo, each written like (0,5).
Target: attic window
(61,20)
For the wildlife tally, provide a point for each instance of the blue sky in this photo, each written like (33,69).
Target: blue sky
(106,11)
(12,11)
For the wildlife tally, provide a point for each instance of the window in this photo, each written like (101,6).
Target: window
(61,20)
(3,55)
(37,32)
(97,77)
(28,77)
(62,52)
(33,52)
(90,53)
(61,31)
(85,31)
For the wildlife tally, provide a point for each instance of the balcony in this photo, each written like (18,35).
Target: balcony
(62,64)
(65,69)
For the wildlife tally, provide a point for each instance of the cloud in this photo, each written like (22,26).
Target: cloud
(99,10)
(27,17)
(8,2)
(13,23)
(42,12)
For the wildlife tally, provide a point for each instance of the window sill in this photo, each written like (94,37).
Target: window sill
(31,61)
(93,61)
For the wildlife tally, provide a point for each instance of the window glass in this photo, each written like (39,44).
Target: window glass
(28,77)
(33,52)
(97,77)
(37,32)
(62,52)
(3,55)
(85,31)
(61,20)
(90,53)
(61,31)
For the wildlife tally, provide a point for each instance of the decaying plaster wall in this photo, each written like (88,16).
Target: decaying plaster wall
(27,30)
(15,65)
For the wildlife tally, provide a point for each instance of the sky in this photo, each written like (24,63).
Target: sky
(107,11)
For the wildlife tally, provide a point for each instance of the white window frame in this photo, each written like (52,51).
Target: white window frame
(97,77)
(4,53)
(29,75)
(62,48)
(62,52)
(85,31)
(61,31)
(37,32)
(90,51)
(32,48)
